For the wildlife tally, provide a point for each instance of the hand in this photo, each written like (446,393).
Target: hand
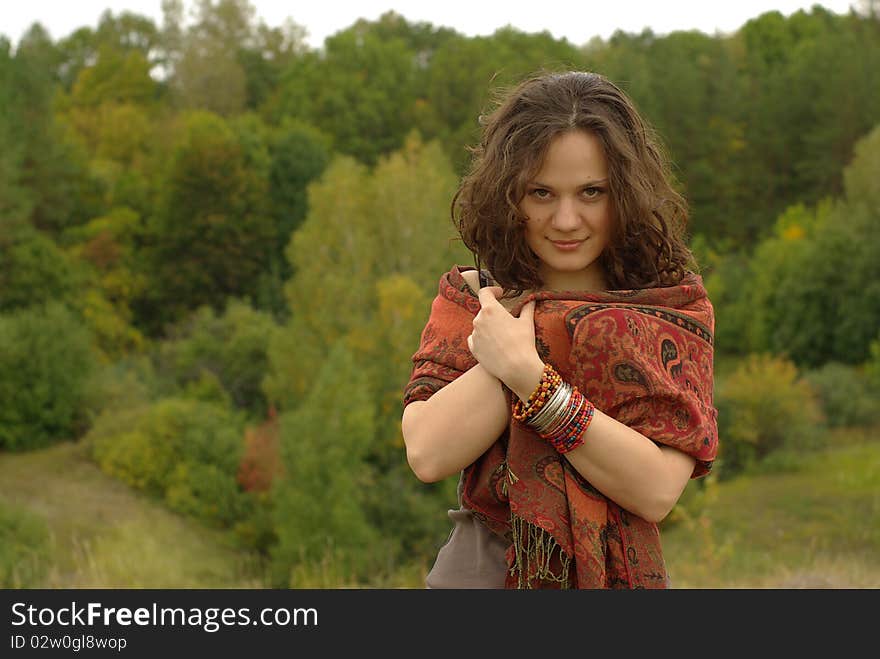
(504,345)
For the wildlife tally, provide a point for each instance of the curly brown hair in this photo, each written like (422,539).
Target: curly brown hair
(647,247)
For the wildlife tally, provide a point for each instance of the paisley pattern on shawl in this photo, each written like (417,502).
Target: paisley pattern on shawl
(643,357)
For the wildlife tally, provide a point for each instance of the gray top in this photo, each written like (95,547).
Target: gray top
(473,556)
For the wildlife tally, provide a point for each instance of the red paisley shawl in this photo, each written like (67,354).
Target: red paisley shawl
(643,357)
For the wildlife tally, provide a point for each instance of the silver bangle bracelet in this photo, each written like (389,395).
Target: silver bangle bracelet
(564,419)
(555,406)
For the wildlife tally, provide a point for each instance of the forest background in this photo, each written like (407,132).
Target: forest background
(218,248)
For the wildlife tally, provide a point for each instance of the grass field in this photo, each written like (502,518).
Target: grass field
(817,526)
(107,535)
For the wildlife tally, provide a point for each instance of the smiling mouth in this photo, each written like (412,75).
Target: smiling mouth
(567,246)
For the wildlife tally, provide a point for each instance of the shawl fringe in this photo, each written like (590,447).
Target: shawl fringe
(533,552)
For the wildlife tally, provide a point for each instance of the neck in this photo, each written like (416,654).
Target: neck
(589,280)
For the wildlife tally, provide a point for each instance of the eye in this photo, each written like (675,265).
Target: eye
(540,193)
(592,191)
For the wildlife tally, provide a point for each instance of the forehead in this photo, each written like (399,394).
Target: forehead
(573,155)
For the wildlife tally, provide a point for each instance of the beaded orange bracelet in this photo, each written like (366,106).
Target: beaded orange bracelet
(548,384)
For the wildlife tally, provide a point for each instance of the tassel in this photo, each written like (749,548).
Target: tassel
(509,478)
(536,555)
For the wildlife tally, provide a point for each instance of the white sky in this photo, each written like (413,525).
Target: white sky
(578,21)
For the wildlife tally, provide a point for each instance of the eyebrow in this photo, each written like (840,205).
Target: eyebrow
(597,181)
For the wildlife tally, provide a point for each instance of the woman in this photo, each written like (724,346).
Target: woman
(574,396)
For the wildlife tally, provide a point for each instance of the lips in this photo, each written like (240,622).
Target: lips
(566,245)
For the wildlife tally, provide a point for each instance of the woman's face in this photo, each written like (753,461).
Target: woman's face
(569,213)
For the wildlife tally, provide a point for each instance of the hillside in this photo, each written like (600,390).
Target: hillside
(813,526)
(105,534)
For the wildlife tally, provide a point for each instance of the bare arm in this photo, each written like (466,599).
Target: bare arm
(630,469)
(455,426)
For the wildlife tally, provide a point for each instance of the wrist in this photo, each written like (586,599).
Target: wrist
(526,379)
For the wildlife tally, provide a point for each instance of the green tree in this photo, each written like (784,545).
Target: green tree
(33,270)
(16,200)
(814,293)
(368,258)
(231,346)
(212,233)
(398,503)
(111,111)
(45,361)
(116,77)
(106,247)
(264,62)
(765,406)
(299,154)
(860,308)
(413,190)
(333,252)
(774,292)
(361,90)
(183,451)
(836,72)
(696,90)
(124,33)
(800,72)
(361,227)
(207,74)
(463,74)
(52,167)
(319,512)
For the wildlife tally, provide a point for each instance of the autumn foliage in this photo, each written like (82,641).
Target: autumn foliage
(261,463)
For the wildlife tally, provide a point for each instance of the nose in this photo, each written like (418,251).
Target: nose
(566,217)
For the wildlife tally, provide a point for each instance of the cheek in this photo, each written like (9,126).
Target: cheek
(533,230)
(528,210)
(604,219)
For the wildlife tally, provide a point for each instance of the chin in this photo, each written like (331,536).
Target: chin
(575,263)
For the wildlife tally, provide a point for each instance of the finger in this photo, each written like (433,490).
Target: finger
(528,311)
(470,342)
(489,295)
